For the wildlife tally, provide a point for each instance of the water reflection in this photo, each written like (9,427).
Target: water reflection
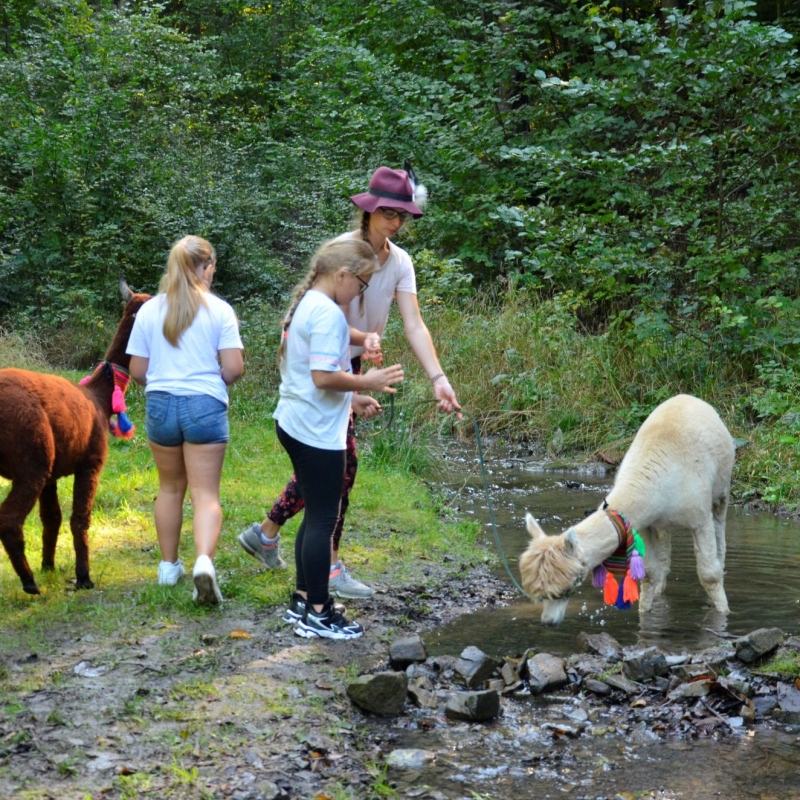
(762,568)
(517,755)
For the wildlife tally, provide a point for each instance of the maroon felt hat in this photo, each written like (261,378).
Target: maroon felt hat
(389,188)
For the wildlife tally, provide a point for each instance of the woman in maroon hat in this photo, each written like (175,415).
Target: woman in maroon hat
(393,197)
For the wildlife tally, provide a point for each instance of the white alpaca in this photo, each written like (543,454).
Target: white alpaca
(676,474)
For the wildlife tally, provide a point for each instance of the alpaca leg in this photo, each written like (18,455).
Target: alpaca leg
(710,569)
(657,559)
(84,491)
(720,512)
(50,515)
(14,509)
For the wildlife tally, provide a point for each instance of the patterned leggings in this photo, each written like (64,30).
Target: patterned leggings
(290,502)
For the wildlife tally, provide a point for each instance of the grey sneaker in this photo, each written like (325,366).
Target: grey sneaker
(327,624)
(343,584)
(269,554)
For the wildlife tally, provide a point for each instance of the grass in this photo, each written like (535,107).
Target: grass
(395,521)
(785,664)
(525,370)
(522,371)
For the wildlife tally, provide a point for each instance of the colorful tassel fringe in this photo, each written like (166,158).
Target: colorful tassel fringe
(122,427)
(626,561)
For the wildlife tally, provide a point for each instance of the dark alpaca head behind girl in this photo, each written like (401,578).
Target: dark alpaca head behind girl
(59,429)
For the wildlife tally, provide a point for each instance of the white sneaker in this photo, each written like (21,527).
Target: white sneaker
(206,591)
(169,574)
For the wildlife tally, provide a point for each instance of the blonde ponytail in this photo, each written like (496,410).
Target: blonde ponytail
(182,284)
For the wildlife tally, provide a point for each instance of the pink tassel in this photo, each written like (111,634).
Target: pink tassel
(636,568)
(599,576)
(118,401)
(85,380)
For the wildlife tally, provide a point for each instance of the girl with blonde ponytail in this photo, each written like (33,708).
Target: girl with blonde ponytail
(317,391)
(186,350)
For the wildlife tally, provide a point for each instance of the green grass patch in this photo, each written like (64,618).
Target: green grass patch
(395,524)
(785,664)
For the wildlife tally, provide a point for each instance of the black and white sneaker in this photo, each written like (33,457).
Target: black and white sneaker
(296,610)
(327,624)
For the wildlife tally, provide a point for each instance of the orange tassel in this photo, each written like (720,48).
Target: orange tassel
(630,590)
(610,590)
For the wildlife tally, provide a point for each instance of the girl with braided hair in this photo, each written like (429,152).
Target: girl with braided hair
(317,391)
(393,197)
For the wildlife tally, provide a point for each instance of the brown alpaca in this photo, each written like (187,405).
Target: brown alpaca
(50,428)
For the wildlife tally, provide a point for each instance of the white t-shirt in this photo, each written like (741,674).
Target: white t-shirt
(191,368)
(318,339)
(396,275)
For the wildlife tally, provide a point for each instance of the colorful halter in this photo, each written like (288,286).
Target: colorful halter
(625,562)
(121,427)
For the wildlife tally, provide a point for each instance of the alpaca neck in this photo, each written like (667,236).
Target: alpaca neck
(599,537)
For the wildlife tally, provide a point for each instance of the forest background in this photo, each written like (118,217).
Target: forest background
(614,212)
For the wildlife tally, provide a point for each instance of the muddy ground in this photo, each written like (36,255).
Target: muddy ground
(232,704)
(226,706)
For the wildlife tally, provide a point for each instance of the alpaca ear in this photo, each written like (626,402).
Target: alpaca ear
(124,289)
(534,531)
(571,542)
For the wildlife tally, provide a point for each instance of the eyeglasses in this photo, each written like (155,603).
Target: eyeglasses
(393,213)
(364,285)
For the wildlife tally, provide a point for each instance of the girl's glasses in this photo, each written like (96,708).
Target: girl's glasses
(393,213)
(364,285)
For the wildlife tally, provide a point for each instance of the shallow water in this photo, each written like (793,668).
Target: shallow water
(499,763)
(518,756)
(762,578)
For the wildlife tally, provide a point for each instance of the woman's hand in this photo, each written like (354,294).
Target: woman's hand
(443,392)
(372,349)
(381,380)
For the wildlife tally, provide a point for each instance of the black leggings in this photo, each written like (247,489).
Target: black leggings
(319,476)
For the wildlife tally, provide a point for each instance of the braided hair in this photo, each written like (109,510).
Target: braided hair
(365,215)
(354,255)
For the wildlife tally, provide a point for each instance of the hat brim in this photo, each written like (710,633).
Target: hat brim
(371,203)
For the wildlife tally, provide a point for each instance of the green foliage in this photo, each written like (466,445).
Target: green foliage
(638,168)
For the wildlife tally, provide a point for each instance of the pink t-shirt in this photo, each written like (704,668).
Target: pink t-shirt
(396,275)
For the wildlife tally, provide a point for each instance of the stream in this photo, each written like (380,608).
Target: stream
(519,756)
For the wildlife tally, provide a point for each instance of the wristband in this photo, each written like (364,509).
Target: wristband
(437,377)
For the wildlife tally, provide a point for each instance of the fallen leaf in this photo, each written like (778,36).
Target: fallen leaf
(240,634)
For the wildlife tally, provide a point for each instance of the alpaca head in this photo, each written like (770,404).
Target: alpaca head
(552,568)
(133,302)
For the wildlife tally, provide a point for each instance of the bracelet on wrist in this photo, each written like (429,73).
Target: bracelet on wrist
(437,377)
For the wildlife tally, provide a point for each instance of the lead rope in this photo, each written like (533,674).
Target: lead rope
(482,462)
(491,511)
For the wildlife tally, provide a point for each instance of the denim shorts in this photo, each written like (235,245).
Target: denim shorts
(173,419)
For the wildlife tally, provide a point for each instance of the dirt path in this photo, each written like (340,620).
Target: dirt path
(231,705)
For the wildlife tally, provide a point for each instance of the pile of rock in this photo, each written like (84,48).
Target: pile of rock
(716,691)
